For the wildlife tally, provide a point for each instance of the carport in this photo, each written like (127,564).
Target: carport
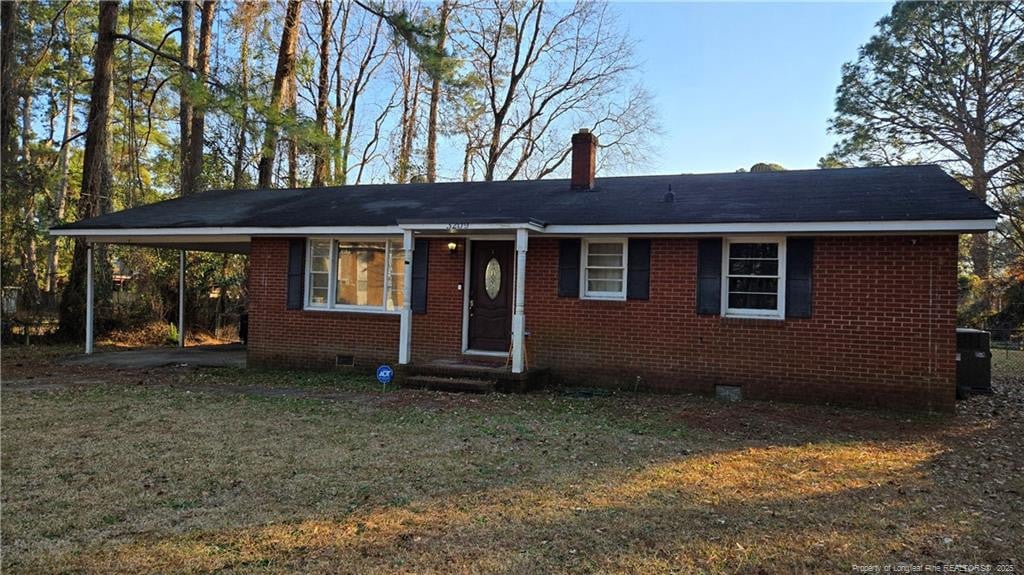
(215,240)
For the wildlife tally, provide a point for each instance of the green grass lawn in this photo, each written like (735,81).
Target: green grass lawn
(241,471)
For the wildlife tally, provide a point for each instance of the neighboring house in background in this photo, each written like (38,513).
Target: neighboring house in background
(808,285)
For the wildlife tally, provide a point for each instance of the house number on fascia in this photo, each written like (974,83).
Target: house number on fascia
(458,227)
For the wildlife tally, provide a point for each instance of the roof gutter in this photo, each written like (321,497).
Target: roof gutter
(881,227)
(853,227)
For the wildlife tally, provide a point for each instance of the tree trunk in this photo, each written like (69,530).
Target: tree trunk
(285,70)
(358,85)
(401,171)
(339,124)
(8,99)
(293,144)
(980,250)
(409,116)
(323,93)
(494,146)
(51,116)
(188,12)
(96,176)
(435,96)
(62,187)
(26,118)
(198,131)
(237,168)
(31,262)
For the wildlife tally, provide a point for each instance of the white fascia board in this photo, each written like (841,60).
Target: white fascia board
(890,227)
(233,231)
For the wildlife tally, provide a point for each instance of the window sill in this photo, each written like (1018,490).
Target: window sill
(764,320)
(377,311)
(603,298)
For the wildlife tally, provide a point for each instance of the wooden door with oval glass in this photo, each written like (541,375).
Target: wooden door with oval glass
(490,296)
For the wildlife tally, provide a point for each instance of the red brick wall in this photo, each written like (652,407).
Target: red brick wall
(438,333)
(279,336)
(882,332)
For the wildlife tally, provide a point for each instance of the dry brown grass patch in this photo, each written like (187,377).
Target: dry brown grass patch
(135,479)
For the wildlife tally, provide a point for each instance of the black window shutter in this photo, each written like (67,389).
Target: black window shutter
(638,278)
(569,268)
(419,276)
(709,276)
(296,272)
(799,266)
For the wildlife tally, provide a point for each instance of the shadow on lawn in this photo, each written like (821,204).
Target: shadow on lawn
(819,506)
(776,487)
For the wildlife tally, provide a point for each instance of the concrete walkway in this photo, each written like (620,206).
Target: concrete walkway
(227,355)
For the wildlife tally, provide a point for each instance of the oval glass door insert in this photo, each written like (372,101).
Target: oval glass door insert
(492,278)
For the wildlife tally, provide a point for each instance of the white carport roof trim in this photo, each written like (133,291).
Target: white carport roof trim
(235,232)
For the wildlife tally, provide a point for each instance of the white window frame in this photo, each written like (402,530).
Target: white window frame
(780,311)
(390,243)
(308,275)
(584,250)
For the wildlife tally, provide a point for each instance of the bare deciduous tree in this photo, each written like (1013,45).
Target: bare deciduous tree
(410,81)
(321,153)
(369,63)
(544,70)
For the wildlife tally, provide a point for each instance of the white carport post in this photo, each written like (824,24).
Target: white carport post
(518,316)
(181,298)
(89,296)
(405,327)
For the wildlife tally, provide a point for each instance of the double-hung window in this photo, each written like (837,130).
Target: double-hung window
(355,275)
(604,269)
(753,279)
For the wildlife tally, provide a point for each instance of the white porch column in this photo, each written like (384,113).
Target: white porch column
(518,317)
(181,299)
(405,329)
(89,296)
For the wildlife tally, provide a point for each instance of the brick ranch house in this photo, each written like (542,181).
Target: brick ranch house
(835,286)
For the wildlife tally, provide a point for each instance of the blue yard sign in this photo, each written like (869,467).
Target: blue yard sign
(385,374)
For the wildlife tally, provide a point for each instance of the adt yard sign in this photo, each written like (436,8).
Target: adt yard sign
(385,374)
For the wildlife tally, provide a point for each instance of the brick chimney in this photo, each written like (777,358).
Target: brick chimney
(584,159)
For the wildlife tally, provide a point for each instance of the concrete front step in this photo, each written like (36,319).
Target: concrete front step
(460,384)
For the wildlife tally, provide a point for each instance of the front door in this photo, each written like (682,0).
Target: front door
(490,296)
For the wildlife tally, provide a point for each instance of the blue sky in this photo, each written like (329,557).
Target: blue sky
(739,83)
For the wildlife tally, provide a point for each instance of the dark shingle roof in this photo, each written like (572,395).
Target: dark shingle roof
(840,195)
